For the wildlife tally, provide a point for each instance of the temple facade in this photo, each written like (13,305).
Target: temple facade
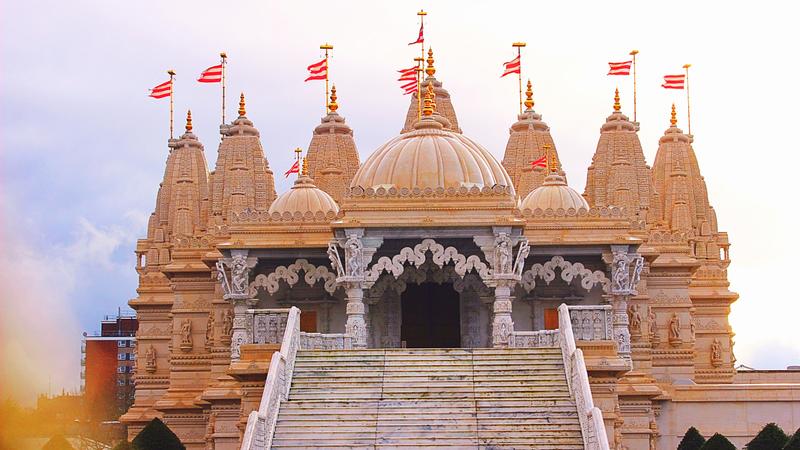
(432,243)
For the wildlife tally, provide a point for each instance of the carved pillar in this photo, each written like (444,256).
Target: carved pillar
(356,326)
(502,324)
(237,290)
(626,270)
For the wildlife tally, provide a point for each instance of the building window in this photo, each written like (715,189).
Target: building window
(121,356)
(121,369)
(122,344)
(121,382)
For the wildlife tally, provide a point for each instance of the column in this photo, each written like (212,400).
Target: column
(237,290)
(502,324)
(356,326)
(626,270)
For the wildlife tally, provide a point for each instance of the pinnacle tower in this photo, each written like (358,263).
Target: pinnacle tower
(444,105)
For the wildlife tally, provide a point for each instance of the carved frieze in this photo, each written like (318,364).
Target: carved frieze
(569,271)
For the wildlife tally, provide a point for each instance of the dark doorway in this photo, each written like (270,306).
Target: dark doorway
(430,316)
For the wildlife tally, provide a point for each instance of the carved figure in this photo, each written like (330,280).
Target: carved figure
(354,256)
(675,329)
(151,363)
(692,327)
(716,353)
(210,428)
(651,323)
(635,319)
(502,254)
(621,275)
(223,278)
(227,324)
(637,272)
(186,334)
(522,253)
(210,329)
(336,262)
(239,272)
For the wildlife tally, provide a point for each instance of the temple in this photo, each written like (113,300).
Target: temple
(432,295)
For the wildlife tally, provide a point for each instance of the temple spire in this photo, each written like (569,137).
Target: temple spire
(333,106)
(673,117)
(430,105)
(617,106)
(242,111)
(189,121)
(430,70)
(529,97)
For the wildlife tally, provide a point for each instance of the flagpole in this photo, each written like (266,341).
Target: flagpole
(421,15)
(420,65)
(171,102)
(298,151)
(688,110)
(224,57)
(519,46)
(634,53)
(325,47)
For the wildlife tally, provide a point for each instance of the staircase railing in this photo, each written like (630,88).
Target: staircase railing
(261,423)
(590,416)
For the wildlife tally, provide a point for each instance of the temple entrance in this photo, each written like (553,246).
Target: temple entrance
(430,316)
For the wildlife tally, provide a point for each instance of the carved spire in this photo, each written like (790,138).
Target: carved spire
(430,70)
(673,120)
(618,174)
(242,111)
(189,121)
(529,97)
(333,106)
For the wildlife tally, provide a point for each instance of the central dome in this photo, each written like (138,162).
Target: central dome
(431,158)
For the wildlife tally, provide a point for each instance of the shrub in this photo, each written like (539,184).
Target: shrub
(157,436)
(794,442)
(718,442)
(692,440)
(771,437)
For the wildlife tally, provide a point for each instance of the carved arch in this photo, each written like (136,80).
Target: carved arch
(547,272)
(291,275)
(416,256)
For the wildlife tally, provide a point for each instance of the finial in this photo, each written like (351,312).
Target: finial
(616,100)
(241,105)
(673,120)
(430,70)
(297,151)
(333,106)
(529,95)
(305,167)
(552,162)
(189,121)
(430,104)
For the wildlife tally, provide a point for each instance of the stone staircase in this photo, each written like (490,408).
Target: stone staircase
(429,398)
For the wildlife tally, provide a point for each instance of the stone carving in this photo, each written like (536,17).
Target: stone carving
(652,325)
(591,323)
(253,216)
(693,328)
(417,256)
(547,272)
(222,277)
(227,326)
(653,434)
(625,273)
(675,330)
(290,274)
(463,191)
(635,319)
(239,274)
(354,256)
(534,339)
(151,361)
(268,325)
(716,353)
(522,254)
(210,428)
(186,335)
(502,254)
(336,261)
(210,330)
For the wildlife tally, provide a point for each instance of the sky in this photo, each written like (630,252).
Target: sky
(82,147)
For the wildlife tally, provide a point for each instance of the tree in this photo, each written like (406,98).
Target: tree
(718,442)
(157,436)
(771,437)
(57,442)
(794,442)
(692,440)
(124,445)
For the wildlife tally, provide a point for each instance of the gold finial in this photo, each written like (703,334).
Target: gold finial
(297,151)
(529,95)
(430,70)
(673,120)
(616,100)
(333,106)
(305,167)
(430,103)
(189,121)
(552,162)
(241,105)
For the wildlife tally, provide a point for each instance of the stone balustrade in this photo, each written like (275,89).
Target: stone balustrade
(533,339)
(591,322)
(322,341)
(266,326)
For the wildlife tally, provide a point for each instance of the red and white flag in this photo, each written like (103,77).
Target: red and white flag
(162,90)
(619,68)
(541,162)
(211,75)
(510,67)
(674,81)
(318,71)
(420,39)
(294,169)
(409,88)
(408,78)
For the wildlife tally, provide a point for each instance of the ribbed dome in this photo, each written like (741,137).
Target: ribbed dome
(431,157)
(554,194)
(304,197)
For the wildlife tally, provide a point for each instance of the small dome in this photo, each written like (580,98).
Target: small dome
(431,157)
(554,194)
(304,197)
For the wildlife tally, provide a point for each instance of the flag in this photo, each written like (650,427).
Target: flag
(211,75)
(541,162)
(409,88)
(162,90)
(294,169)
(619,68)
(409,71)
(409,79)
(674,81)
(510,67)
(420,39)
(318,71)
